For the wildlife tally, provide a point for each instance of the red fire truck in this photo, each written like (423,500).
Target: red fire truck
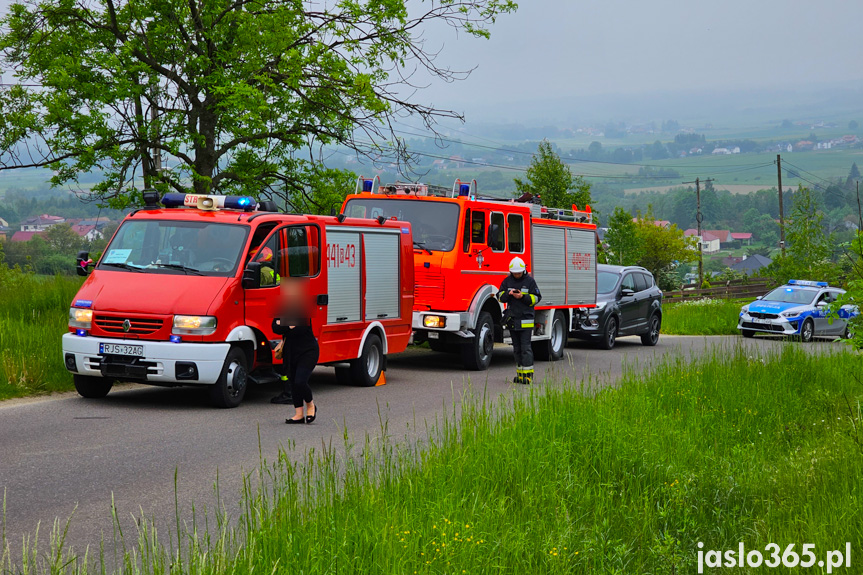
(462,248)
(186,295)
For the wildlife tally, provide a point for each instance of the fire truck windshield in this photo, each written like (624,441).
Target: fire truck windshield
(176,247)
(434,223)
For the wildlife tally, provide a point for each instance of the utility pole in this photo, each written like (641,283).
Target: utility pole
(698,219)
(781,208)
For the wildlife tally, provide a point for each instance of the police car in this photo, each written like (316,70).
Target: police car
(799,308)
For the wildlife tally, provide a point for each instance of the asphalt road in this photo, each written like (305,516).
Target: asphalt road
(67,454)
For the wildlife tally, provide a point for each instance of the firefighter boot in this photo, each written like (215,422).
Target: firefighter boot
(527,375)
(519,371)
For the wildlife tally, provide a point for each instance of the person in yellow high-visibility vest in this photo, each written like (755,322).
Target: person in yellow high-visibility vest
(269,277)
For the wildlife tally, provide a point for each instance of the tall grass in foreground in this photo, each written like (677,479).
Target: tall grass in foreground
(701,317)
(729,448)
(34,311)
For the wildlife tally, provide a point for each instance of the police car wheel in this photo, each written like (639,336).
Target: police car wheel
(807,332)
(366,369)
(230,389)
(747,333)
(92,387)
(847,334)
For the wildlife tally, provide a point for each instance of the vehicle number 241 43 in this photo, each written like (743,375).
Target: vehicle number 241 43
(341,255)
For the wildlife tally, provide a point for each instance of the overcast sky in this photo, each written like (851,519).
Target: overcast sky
(563,48)
(552,49)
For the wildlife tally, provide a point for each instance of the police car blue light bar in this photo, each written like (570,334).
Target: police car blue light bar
(807,283)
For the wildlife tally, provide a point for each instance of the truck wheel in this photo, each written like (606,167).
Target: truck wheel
(807,332)
(609,335)
(92,387)
(651,338)
(366,369)
(476,352)
(229,390)
(552,349)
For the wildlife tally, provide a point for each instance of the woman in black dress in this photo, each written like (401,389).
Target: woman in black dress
(299,347)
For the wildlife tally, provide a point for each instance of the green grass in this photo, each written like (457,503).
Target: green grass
(701,317)
(34,314)
(732,447)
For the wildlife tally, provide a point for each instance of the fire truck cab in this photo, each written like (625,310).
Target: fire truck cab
(462,248)
(186,294)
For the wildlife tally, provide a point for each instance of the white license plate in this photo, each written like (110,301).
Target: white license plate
(759,320)
(121,349)
(434,335)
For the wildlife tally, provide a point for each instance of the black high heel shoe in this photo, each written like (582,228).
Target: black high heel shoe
(289,420)
(311,418)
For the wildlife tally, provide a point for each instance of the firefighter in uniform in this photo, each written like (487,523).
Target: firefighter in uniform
(520,294)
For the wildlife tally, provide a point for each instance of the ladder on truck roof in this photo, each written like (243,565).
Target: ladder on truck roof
(469,189)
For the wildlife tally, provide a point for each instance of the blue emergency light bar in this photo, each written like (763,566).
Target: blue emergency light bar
(204,202)
(807,283)
(464,190)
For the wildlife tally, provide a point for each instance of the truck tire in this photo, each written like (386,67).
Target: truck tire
(366,369)
(92,387)
(477,351)
(552,349)
(651,338)
(609,336)
(231,386)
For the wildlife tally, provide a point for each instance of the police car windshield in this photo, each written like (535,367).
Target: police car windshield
(176,247)
(787,294)
(434,224)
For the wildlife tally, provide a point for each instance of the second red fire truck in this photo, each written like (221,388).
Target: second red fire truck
(462,247)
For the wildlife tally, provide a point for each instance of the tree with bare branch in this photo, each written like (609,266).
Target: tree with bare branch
(227,96)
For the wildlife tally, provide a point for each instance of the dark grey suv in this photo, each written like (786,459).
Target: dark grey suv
(628,302)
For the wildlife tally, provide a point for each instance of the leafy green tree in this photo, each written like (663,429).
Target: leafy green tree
(552,180)
(63,240)
(624,244)
(852,125)
(324,194)
(220,95)
(853,176)
(808,247)
(664,249)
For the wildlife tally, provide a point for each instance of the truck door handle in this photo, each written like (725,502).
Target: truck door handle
(323,299)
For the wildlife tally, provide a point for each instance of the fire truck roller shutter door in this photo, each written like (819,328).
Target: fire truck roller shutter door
(382,274)
(548,265)
(344,261)
(580,267)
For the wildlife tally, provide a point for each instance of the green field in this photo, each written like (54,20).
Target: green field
(34,314)
(739,446)
(701,317)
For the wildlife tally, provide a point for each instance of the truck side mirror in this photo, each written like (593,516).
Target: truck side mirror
(252,275)
(83,264)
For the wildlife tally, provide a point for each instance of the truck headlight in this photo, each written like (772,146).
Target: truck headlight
(80,318)
(194,324)
(434,321)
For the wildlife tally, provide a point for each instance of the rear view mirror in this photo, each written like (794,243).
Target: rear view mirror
(252,275)
(626,292)
(83,263)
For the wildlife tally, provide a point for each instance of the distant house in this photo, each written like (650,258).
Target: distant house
(743,238)
(724,237)
(88,232)
(722,152)
(752,264)
(709,243)
(804,145)
(40,223)
(20,236)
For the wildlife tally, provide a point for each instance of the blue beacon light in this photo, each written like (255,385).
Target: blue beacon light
(464,189)
(175,339)
(81,332)
(367,185)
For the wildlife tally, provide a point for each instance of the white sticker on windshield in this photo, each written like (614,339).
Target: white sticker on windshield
(116,256)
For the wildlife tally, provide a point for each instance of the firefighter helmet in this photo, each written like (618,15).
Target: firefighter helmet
(266,255)
(516,265)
